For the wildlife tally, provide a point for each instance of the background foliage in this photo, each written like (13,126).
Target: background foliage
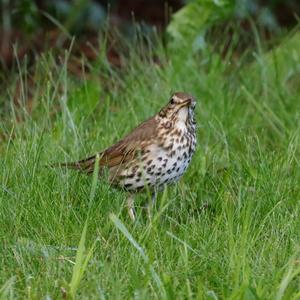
(229,229)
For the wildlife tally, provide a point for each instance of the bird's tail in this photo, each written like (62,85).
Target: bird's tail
(86,165)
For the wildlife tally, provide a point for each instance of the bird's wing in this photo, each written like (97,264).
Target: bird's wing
(123,151)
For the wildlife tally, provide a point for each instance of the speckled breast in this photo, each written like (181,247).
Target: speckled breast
(161,163)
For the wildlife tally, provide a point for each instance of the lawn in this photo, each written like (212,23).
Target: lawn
(228,230)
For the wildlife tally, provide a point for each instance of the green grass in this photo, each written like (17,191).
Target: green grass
(63,233)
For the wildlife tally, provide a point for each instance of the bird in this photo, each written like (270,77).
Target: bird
(156,153)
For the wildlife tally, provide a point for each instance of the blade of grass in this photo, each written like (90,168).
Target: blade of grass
(117,222)
(266,112)
(7,288)
(291,273)
(81,262)
(83,256)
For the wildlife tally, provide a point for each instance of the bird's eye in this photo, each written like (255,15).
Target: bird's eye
(172,101)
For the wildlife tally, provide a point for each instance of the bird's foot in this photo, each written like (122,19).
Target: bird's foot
(130,206)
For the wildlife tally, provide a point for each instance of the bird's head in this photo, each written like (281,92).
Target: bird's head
(180,106)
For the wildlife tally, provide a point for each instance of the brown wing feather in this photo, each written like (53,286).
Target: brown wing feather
(121,152)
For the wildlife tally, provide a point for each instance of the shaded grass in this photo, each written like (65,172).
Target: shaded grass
(228,230)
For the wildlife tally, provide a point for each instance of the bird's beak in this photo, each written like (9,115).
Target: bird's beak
(189,102)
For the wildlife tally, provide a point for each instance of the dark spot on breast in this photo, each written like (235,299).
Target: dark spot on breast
(169,171)
(140,187)
(139,174)
(159,169)
(134,169)
(149,162)
(177,132)
(169,148)
(172,153)
(185,155)
(159,158)
(129,176)
(138,179)
(175,164)
(158,174)
(128,185)
(177,170)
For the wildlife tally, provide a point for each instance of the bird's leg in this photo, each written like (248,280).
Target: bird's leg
(152,203)
(130,206)
(153,197)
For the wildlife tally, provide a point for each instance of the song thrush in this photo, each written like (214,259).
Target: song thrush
(154,154)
